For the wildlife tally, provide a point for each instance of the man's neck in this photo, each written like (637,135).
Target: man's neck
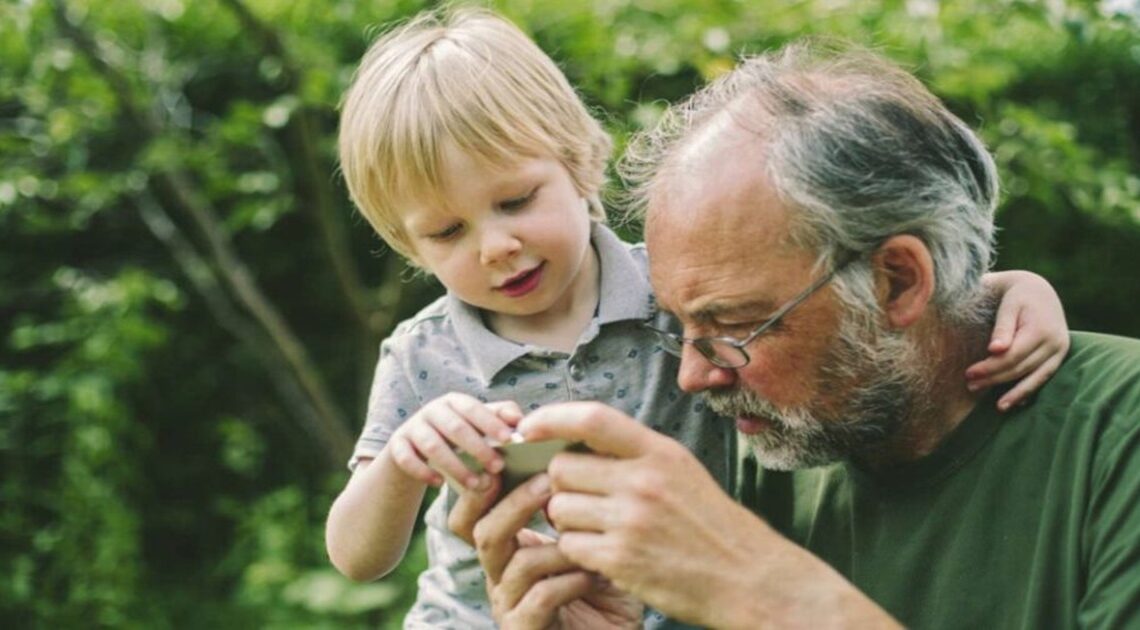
(941,406)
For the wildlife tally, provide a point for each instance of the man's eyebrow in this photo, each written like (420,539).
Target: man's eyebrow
(717,310)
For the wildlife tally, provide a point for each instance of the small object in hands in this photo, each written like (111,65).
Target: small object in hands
(521,459)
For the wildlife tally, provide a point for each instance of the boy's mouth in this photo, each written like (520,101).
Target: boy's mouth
(522,283)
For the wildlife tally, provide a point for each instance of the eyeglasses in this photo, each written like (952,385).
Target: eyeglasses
(728,352)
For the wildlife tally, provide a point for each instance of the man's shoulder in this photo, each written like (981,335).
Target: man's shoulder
(1097,361)
(1110,349)
(1098,384)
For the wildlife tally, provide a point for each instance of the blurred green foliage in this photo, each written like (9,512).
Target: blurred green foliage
(189,309)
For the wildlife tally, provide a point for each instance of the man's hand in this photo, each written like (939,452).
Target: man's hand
(530,583)
(642,511)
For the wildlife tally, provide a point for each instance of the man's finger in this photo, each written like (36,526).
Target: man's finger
(590,550)
(495,532)
(603,429)
(585,472)
(539,607)
(471,505)
(528,567)
(581,512)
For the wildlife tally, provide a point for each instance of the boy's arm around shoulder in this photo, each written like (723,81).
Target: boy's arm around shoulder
(371,521)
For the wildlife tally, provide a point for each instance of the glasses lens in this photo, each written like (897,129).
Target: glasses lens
(670,342)
(721,353)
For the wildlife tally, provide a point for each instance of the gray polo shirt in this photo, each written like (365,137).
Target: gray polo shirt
(447,348)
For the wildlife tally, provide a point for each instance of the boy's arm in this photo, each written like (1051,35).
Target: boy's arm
(1029,340)
(371,522)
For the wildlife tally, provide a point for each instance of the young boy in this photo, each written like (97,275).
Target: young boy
(471,155)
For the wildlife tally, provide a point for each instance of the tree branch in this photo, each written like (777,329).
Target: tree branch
(314,176)
(177,183)
(204,280)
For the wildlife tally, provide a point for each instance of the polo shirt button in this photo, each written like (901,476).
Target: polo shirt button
(576,371)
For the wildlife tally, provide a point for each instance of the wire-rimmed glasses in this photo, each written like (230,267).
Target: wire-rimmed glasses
(729,352)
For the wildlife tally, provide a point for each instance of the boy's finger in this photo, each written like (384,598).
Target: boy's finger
(603,429)
(1015,371)
(507,410)
(994,369)
(481,415)
(439,455)
(409,461)
(456,430)
(1004,328)
(1028,385)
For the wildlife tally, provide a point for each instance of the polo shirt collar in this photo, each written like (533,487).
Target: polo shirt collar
(624,294)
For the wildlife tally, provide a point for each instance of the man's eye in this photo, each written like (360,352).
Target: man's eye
(446,233)
(518,203)
(741,329)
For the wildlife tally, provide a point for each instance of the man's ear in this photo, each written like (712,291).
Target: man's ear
(904,279)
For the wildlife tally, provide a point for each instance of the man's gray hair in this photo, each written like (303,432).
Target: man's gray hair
(860,150)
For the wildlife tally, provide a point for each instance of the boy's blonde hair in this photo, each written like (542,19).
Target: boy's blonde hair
(470,78)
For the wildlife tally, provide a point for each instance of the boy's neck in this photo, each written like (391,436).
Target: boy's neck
(560,327)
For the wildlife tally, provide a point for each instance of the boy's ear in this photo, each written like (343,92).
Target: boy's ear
(904,279)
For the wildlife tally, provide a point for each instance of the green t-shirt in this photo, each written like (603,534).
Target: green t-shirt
(1029,519)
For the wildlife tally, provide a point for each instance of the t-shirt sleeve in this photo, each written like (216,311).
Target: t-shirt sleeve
(1112,599)
(390,402)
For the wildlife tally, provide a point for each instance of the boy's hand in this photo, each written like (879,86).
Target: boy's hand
(1029,340)
(424,446)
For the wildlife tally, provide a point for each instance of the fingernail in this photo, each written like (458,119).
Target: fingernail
(1003,405)
(480,483)
(540,485)
(496,465)
(973,386)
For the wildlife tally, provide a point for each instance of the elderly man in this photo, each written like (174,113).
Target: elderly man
(819,223)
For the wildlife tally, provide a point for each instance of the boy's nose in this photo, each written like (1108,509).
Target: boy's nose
(497,245)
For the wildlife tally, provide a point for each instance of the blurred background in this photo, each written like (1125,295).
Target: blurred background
(190,309)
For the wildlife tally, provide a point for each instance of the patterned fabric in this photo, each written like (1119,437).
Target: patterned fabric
(447,348)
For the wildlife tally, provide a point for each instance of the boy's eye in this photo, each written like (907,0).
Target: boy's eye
(446,233)
(518,203)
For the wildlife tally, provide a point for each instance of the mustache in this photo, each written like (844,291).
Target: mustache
(742,402)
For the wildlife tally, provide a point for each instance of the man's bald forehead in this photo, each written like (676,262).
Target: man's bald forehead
(724,139)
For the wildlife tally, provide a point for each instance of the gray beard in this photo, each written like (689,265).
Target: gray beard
(889,381)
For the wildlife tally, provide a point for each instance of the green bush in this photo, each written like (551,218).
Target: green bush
(190,309)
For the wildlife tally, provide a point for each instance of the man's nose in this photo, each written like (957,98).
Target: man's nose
(497,244)
(697,374)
